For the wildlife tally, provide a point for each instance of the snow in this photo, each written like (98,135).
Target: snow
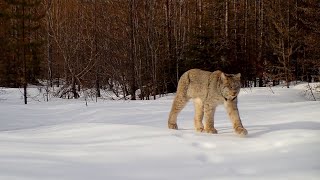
(65,139)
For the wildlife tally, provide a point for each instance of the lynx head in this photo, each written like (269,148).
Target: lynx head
(230,85)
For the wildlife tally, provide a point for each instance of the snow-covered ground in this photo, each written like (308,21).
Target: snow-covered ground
(67,140)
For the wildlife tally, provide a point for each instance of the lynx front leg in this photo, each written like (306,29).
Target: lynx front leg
(233,113)
(209,119)
(198,114)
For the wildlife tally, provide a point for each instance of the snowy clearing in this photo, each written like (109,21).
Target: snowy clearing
(64,139)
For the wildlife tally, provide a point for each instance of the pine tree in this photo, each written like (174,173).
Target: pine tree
(24,43)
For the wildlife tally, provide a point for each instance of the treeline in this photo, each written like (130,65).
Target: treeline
(126,45)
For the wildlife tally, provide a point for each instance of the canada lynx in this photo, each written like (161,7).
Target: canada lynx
(207,90)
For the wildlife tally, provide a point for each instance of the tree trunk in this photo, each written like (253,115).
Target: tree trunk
(25,81)
(132,75)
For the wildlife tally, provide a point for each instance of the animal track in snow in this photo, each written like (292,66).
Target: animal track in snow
(204,145)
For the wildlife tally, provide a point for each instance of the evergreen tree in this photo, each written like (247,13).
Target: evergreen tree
(22,61)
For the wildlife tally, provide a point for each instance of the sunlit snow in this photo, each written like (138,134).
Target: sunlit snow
(67,140)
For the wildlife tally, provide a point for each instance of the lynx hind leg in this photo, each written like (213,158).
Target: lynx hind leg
(178,104)
(198,114)
(179,101)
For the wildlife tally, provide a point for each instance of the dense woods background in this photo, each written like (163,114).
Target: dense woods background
(126,45)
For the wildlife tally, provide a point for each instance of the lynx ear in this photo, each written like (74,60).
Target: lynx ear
(223,76)
(238,76)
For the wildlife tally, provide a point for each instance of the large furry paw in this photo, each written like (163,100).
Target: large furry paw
(241,131)
(199,129)
(211,131)
(172,126)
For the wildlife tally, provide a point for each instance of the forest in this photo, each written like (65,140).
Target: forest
(146,45)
